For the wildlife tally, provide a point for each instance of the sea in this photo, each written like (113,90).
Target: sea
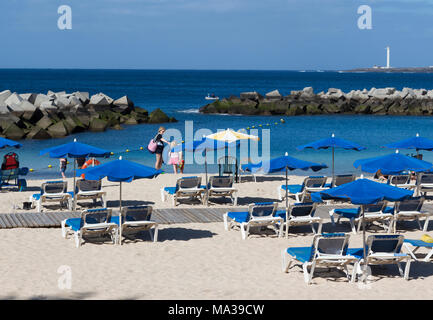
(180,93)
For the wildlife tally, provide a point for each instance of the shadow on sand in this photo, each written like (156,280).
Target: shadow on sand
(183,234)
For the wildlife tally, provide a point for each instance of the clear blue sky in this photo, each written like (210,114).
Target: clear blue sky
(215,34)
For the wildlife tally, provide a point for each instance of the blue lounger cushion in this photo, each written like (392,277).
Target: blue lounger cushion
(419,243)
(302,254)
(37,196)
(239,217)
(74,223)
(356,252)
(115,219)
(293,188)
(349,213)
(170,190)
(354,212)
(328,185)
(359,253)
(281,214)
(388,210)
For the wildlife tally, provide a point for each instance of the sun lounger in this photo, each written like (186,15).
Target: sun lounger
(220,186)
(310,184)
(92,223)
(90,190)
(52,191)
(187,187)
(412,246)
(258,215)
(301,214)
(425,183)
(401,181)
(372,212)
(137,219)
(381,250)
(341,179)
(409,210)
(328,250)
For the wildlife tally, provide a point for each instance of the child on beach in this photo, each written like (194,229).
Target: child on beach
(63,164)
(175,158)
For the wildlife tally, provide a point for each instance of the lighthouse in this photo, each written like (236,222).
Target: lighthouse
(387,57)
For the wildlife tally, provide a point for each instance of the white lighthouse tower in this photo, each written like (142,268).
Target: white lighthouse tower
(387,57)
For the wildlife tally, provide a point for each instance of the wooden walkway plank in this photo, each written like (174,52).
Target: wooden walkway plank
(162,216)
(52,218)
(29,219)
(182,215)
(20,219)
(216,214)
(11,222)
(158,216)
(168,216)
(191,215)
(3,224)
(42,219)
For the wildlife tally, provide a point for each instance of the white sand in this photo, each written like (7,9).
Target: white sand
(191,261)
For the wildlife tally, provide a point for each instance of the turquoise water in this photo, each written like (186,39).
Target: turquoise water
(181,93)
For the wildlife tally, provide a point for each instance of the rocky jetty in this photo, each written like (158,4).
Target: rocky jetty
(385,101)
(58,114)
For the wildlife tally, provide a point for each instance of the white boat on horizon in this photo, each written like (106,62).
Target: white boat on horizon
(211,97)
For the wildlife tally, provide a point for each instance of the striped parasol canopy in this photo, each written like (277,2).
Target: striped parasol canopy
(230,135)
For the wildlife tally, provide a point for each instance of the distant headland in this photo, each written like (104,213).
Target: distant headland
(393,70)
(385,101)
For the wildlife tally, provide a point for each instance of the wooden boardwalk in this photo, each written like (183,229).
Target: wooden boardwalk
(163,216)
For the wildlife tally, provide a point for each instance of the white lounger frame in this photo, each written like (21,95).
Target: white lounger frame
(300,195)
(383,258)
(292,221)
(369,217)
(411,215)
(128,227)
(63,198)
(183,193)
(91,195)
(254,221)
(322,260)
(223,191)
(93,229)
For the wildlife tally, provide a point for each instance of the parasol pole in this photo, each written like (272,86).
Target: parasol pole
(364,253)
(332,182)
(120,213)
(287,203)
(205,166)
(333,156)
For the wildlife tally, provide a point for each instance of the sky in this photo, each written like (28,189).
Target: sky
(215,34)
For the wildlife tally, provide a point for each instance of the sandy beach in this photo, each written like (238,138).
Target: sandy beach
(190,261)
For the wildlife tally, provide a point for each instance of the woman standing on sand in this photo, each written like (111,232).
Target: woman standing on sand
(159,140)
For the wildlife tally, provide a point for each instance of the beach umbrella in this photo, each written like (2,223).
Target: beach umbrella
(120,171)
(362,192)
(332,143)
(231,136)
(393,163)
(204,145)
(9,143)
(75,150)
(285,163)
(417,143)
